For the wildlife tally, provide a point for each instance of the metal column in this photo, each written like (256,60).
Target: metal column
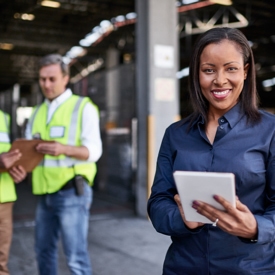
(157,86)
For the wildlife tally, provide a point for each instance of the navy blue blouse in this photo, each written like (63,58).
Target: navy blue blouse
(246,150)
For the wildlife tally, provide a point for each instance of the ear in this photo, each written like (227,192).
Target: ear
(66,79)
(246,68)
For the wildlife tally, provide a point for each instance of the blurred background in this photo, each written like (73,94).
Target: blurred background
(106,43)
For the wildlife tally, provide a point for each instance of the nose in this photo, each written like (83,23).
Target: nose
(220,78)
(46,83)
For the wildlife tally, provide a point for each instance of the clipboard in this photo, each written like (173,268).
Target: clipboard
(194,185)
(30,157)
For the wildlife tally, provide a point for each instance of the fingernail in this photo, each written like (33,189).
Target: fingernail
(196,203)
(216,197)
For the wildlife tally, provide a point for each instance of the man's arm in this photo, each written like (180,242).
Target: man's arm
(90,135)
(56,149)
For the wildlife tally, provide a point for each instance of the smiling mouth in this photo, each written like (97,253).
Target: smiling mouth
(224,92)
(221,94)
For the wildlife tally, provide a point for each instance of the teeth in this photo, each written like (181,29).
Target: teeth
(221,93)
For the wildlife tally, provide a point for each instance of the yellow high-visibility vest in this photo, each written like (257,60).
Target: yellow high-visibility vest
(65,127)
(7,187)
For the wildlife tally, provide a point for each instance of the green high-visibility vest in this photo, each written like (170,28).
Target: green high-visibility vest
(7,188)
(65,127)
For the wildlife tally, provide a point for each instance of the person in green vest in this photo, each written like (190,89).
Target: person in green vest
(9,175)
(64,178)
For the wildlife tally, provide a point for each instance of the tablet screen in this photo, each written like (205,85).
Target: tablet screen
(193,185)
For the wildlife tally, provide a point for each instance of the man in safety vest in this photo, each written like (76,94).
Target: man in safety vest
(65,176)
(8,176)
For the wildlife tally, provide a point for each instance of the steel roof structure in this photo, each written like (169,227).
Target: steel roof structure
(30,29)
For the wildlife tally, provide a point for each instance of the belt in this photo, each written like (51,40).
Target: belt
(68,185)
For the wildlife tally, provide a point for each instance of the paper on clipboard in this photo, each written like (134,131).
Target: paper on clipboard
(202,186)
(30,157)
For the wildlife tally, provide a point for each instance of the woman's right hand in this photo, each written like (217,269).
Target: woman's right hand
(190,225)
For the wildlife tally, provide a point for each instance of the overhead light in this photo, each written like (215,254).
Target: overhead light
(75,51)
(24,16)
(89,39)
(120,18)
(186,2)
(105,23)
(250,43)
(222,2)
(268,83)
(66,59)
(131,16)
(182,73)
(91,68)
(27,16)
(6,46)
(50,4)
(106,26)
(96,29)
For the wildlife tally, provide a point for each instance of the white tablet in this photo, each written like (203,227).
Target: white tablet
(202,186)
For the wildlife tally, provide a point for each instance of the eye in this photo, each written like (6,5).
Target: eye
(232,69)
(208,70)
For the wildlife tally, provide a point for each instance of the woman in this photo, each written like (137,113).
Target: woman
(225,133)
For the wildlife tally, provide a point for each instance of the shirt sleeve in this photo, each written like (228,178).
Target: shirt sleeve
(90,136)
(162,209)
(266,221)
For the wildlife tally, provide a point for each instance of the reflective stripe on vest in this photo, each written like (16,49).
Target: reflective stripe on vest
(7,188)
(67,162)
(53,172)
(4,137)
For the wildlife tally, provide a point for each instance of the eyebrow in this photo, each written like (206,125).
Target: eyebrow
(213,65)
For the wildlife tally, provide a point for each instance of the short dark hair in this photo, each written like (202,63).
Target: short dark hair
(54,59)
(249,95)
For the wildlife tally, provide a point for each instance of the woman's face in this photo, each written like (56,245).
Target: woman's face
(221,75)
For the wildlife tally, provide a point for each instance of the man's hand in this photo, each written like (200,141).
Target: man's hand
(56,148)
(9,158)
(17,173)
(53,148)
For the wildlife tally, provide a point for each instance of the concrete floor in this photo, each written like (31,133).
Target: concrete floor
(119,242)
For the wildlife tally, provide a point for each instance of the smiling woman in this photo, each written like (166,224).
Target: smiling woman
(221,79)
(225,133)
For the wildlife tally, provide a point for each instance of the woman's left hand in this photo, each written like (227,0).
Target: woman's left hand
(190,225)
(237,221)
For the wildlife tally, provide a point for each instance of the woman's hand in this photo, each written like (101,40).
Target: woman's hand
(190,225)
(237,221)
